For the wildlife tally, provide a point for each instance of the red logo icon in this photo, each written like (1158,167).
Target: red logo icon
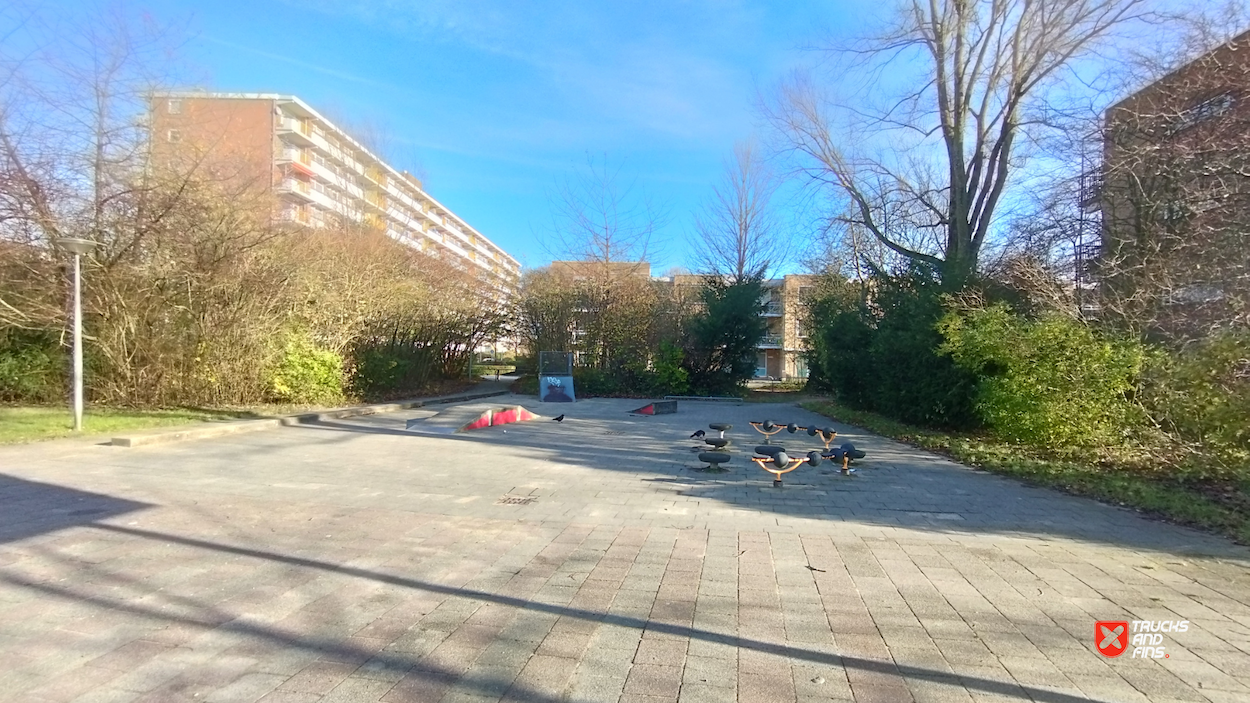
(1111,637)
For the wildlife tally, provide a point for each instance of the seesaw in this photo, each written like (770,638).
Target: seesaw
(773,459)
(768,428)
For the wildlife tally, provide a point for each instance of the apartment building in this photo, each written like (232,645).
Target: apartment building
(318,174)
(779,355)
(1174,199)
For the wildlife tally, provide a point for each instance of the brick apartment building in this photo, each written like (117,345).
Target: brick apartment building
(318,175)
(1175,199)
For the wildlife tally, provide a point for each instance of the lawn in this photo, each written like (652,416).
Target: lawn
(30,423)
(1161,493)
(27,423)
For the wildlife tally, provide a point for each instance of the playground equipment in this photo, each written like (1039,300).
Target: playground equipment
(824,434)
(778,462)
(844,454)
(717,443)
(714,460)
(721,427)
(768,428)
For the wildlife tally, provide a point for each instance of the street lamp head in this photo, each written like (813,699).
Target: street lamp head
(74,245)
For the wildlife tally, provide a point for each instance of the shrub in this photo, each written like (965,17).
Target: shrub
(589,381)
(669,378)
(305,373)
(32,367)
(1203,392)
(876,348)
(381,371)
(1048,382)
(525,385)
(909,377)
(837,353)
(720,348)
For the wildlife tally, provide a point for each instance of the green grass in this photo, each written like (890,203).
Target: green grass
(484,369)
(32,423)
(1126,479)
(792,394)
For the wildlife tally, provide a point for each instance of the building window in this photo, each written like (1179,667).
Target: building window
(1205,110)
(1174,212)
(174,136)
(174,107)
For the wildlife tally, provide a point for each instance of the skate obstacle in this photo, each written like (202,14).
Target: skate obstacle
(659,407)
(499,416)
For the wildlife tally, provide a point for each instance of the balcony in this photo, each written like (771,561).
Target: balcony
(298,131)
(298,160)
(298,215)
(293,186)
(376,175)
(773,308)
(1091,191)
(769,341)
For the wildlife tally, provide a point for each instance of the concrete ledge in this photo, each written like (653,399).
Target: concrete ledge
(211,430)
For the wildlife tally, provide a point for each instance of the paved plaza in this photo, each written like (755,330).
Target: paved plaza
(355,560)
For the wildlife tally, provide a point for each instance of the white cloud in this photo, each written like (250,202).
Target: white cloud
(664,68)
(324,70)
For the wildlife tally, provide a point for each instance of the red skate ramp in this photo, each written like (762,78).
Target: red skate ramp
(499,416)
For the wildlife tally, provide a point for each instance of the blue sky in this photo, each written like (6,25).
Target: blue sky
(500,101)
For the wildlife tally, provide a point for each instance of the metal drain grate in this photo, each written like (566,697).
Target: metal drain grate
(516,500)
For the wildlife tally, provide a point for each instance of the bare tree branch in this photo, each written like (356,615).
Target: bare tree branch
(987,63)
(737,236)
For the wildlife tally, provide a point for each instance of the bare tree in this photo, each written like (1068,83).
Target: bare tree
(73,149)
(955,133)
(547,308)
(599,218)
(737,234)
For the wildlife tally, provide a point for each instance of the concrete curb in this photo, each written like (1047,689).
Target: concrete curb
(209,431)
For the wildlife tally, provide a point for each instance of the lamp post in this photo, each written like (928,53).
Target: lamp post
(79,248)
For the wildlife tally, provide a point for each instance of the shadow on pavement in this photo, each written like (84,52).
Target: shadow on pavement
(30,508)
(426,671)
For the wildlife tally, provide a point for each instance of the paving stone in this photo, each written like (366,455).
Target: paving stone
(247,688)
(289,697)
(319,677)
(700,693)
(342,561)
(355,690)
(654,680)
